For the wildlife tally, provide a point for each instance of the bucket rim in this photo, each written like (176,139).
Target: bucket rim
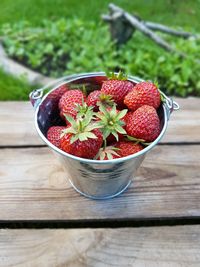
(134,79)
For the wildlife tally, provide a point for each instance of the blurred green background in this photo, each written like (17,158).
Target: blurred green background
(86,44)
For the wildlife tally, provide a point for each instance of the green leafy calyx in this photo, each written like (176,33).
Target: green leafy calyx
(81,128)
(117,76)
(83,109)
(136,140)
(107,153)
(111,121)
(106,100)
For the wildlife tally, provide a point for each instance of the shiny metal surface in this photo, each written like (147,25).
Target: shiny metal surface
(100,180)
(92,178)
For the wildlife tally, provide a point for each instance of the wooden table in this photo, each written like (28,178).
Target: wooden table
(156,222)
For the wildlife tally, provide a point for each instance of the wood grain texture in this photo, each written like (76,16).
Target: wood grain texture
(33,186)
(184,124)
(17,126)
(129,247)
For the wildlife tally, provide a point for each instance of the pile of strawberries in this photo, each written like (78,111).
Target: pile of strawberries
(116,121)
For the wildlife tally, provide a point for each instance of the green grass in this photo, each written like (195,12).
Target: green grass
(170,12)
(12,88)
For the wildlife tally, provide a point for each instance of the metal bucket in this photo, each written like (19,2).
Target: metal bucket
(92,178)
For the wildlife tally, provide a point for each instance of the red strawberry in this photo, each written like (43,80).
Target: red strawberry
(54,133)
(143,93)
(119,150)
(62,89)
(143,123)
(83,149)
(82,138)
(57,93)
(69,101)
(117,87)
(126,148)
(93,98)
(97,96)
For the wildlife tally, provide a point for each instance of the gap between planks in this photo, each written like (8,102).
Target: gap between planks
(93,224)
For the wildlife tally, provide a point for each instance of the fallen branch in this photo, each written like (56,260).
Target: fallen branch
(162,28)
(12,67)
(117,13)
(123,24)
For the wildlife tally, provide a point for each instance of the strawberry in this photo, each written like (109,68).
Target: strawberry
(143,123)
(117,87)
(143,93)
(69,101)
(61,89)
(126,148)
(83,138)
(97,96)
(83,149)
(93,98)
(57,93)
(119,150)
(54,134)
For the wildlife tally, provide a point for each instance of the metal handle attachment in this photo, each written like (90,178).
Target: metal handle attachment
(170,104)
(35,97)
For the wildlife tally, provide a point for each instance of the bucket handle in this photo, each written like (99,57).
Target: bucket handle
(170,104)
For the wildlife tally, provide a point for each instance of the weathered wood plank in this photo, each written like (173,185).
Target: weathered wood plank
(153,247)
(33,186)
(184,125)
(17,126)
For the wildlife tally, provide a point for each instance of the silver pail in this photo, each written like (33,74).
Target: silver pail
(92,178)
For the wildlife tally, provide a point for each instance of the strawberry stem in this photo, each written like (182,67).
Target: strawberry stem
(84,90)
(104,144)
(80,126)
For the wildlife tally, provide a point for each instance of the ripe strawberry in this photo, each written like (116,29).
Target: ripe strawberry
(61,89)
(143,93)
(57,93)
(126,148)
(93,98)
(69,101)
(83,149)
(97,96)
(83,138)
(119,150)
(143,123)
(117,87)
(54,134)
